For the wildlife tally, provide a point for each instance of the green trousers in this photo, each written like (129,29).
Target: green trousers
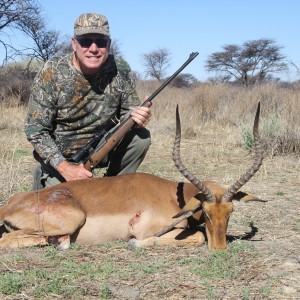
(125,158)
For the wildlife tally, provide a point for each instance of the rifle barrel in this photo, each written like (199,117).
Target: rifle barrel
(165,83)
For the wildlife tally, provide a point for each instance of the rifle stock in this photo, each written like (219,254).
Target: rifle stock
(113,139)
(111,142)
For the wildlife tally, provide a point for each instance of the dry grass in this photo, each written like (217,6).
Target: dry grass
(15,152)
(265,266)
(217,105)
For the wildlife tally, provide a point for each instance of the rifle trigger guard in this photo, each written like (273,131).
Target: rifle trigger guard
(91,164)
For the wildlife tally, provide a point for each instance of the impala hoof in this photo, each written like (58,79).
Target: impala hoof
(132,243)
(61,242)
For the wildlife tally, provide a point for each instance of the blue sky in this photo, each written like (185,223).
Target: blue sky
(186,26)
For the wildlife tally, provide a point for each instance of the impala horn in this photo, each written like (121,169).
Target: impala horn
(182,169)
(227,196)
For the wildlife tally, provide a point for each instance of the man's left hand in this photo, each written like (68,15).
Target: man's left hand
(141,116)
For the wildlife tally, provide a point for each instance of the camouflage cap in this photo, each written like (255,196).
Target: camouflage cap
(91,23)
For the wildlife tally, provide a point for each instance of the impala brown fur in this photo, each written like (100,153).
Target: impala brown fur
(136,207)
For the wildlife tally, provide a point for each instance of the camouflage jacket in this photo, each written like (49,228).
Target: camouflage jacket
(66,108)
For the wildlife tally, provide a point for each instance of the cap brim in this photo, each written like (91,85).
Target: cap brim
(91,30)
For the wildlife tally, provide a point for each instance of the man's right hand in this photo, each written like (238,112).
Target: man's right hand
(73,172)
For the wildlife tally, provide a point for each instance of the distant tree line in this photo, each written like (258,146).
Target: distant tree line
(252,62)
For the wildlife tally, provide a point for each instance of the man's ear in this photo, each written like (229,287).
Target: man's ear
(108,45)
(74,44)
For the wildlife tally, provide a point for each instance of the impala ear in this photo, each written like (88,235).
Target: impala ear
(241,196)
(192,206)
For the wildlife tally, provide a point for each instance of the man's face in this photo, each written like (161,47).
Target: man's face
(91,52)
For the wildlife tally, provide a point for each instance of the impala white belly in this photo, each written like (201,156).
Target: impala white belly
(121,227)
(104,228)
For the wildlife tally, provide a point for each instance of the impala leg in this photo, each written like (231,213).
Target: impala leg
(25,238)
(22,238)
(43,229)
(177,237)
(61,242)
(64,242)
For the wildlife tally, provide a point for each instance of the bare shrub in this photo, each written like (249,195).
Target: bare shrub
(15,82)
(277,139)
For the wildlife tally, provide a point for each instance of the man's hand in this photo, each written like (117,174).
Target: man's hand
(73,172)
(141,116)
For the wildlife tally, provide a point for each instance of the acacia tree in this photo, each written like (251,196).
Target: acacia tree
(156,63)
(26,17)
(252,62)
(46,42)
(13,14)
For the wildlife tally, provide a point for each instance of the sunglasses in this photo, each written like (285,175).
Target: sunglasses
(87,42)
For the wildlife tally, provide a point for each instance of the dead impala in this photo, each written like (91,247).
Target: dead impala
(140,207)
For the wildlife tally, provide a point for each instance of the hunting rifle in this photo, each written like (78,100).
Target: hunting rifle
(95,151)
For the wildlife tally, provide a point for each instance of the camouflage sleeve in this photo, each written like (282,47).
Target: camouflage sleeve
(126,84)
(41,114)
